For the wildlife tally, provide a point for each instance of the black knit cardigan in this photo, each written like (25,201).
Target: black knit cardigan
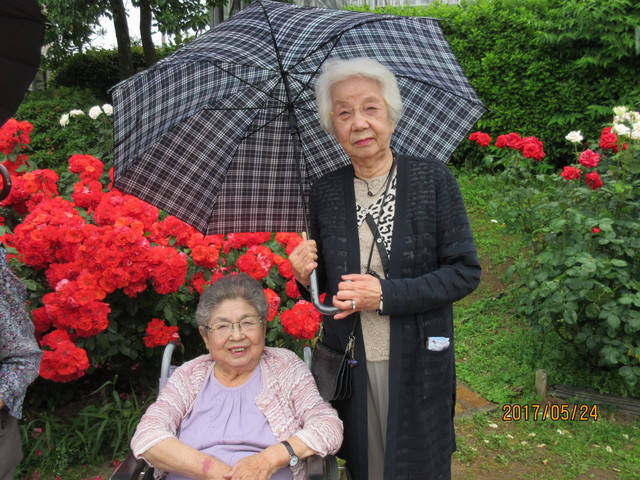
(433,263)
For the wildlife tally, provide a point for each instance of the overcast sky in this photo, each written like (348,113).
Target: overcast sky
(109,39)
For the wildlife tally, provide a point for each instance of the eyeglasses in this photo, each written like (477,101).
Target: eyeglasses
(368,110)
(246,325)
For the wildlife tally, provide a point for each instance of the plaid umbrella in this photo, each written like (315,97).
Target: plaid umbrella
(224,133)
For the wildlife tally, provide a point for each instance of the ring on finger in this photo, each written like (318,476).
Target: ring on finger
(353,304)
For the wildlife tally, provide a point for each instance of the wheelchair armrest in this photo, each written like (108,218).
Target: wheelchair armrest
(322,468)
(129,469)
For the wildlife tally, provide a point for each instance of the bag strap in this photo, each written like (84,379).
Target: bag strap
(377,240)
(373,225)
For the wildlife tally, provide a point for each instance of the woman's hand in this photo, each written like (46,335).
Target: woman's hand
(304,260)
(360,291)
(253,467)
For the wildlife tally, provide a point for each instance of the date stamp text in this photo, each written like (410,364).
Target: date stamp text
(515,412)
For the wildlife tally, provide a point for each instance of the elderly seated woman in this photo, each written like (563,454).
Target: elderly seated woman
(246,411)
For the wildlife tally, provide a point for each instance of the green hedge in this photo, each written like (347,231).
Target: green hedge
(542,67)
(97,70)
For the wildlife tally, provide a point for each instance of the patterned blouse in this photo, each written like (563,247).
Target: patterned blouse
(19,352)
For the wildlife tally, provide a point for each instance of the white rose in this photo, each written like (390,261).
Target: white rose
(621,129)
(574,137)
(75,113)
(107,109)
(619,111)
(635,131)
(95,112)
(64,120)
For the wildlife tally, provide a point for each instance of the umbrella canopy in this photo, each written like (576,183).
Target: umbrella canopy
(215,133)
(21,35)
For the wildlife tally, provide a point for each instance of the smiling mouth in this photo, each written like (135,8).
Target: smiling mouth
(238,349)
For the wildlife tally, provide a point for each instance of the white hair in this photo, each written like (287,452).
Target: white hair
(336,70)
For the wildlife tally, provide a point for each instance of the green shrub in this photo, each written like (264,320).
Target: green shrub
(51,144)
(583,284)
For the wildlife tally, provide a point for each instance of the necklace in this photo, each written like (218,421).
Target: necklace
(371,193)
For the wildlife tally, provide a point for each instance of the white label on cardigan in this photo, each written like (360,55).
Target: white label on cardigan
(437,344)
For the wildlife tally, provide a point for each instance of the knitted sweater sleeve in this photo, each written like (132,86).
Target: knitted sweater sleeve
(292,404)
(163,418)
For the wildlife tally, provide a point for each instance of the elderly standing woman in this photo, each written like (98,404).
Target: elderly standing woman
(245,411)
(393,250)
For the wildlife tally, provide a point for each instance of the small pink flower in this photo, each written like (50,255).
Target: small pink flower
(595,230)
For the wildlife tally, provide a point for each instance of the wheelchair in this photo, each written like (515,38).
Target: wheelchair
(317,467)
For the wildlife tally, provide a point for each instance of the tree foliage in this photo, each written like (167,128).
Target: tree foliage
(73,23)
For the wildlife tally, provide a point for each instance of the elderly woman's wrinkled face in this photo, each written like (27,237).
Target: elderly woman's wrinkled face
(360,118)
(235,336)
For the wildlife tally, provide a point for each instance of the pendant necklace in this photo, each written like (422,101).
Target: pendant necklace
(369,192)
(373,194)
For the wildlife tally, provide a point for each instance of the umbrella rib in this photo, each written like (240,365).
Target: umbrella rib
(291,117)
(242,80)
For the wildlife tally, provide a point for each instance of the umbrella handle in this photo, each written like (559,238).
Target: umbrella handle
(315,297)
(6,180)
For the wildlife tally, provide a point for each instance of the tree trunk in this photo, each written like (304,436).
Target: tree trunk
(236,6)
(122,36)
(148,47)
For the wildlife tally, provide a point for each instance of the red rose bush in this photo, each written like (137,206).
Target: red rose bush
(582,282)
(111,276)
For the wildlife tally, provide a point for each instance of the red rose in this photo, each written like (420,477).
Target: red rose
(589,159)
(571,173)
(509,140)
(291,289)
(273,300)
(480,138)
(609,140)
(593,180)
(531,147)
(302,321)
(158,334)
(595,230)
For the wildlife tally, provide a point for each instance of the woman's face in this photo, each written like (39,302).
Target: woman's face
(237,350)
(361,120)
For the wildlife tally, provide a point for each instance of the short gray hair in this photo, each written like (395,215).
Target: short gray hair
(232,287)
(335,70)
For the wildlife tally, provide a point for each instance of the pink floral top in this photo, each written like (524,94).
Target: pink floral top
(285,376)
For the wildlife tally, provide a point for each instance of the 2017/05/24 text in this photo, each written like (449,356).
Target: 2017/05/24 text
(514,412)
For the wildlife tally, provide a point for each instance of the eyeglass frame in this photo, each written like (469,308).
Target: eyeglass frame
(379,108)
(210,329)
